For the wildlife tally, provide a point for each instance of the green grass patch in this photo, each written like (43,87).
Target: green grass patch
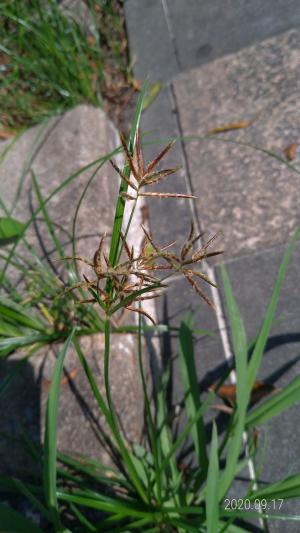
(53,58)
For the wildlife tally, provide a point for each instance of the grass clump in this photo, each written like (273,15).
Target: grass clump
(53,58)
(154,485)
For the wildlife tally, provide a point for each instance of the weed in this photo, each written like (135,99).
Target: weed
(50,62)
(149,489)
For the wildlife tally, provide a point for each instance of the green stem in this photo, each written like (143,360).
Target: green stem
(119,212)
(114,424)
(152,432)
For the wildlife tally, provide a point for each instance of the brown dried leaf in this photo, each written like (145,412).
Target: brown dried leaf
(231,126)
(259,391)
(290,151)
(91,40)
(46,383)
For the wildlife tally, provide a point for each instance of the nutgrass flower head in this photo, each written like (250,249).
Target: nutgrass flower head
(142,176)
(135,277)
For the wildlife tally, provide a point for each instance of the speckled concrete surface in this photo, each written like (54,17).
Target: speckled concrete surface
(207,29)
(81,427)
(55,151)
(170,36)
(253,198)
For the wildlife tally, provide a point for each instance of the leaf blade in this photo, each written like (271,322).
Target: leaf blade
(50,439)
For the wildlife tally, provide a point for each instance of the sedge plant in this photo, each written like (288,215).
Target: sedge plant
(149,489)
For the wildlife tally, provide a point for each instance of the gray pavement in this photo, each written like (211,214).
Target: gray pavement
(170,36)
(245,59)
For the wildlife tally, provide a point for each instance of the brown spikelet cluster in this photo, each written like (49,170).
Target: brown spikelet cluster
(135,277)
(141,176)
(130,280)
(184,263)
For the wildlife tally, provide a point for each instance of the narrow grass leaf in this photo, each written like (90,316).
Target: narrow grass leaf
(88,526)
(55,191)
(240,347)
(103,503)
(123,448)
(212,504)
(154,441)
(47,217)
(151,95)
(239,340)
(284,489)
(19,314)
(214,138)
(191,389)
(92,381)
(50,439)
(275,405)
(186,431)
(168,464)
(11,344)
(269,316)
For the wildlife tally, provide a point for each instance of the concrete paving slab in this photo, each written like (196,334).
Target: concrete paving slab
(81,427)
(253,279)
(170,218)
(207,29)
(251,197)
(179,300)
(171,36)
(53,152)
(151,45)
